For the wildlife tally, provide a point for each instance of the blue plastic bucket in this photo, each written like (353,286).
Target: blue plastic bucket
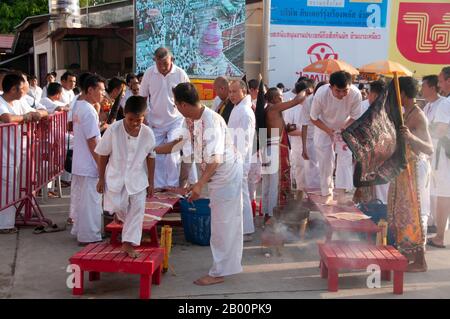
(196,219)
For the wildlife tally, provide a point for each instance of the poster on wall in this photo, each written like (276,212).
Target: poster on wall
(420,36)
(306,31)
(205,36)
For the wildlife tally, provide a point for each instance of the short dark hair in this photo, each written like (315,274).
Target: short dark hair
(303,85)
(12,80)
(140,75)
(31,78)
(377,86)
(54,88)
(270,94)
(409,86)
(340,79)
(280,86)
(446,72)
(253,84)
(301,78)
(162,53)
(82,78)
(135,105)
(321,83)
(130,76)
(92,82)
(66,75)
(432,81)
(114,83)
(186,92)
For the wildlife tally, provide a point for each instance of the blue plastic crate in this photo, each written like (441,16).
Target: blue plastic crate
(196,219)
(377,210)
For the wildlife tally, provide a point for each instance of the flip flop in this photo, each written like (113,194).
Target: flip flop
(431,243)
(49,229)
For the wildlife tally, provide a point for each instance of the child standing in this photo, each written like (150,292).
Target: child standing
(126,170)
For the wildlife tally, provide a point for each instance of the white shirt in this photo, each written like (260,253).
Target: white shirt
(442,114)
(85,126)
(364,106)
(67,96)
(9,147)
(216,102)
(294,116)
(127,166)
(242,125)
(35,93)
(333,112)
(431,108)
(71,106)
(306,116)
(127,94)
(51,105)
(44,92)
(159,90)
(29,101)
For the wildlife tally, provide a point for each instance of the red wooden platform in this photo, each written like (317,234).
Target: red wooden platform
(366,226)
(103,257)
(338,255)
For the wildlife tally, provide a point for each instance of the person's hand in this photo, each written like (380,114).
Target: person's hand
(195,190)
(291,127)
(101,186)
(150,189)
(406,133)
(35,116)
(305,155)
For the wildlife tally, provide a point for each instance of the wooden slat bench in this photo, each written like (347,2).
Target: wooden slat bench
(338,255)
(366,226)
(103,257)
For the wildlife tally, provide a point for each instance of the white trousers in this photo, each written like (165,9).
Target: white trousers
(86,207)
(344,167)
(167,167)
(325,157)
(312,173)
(297,162)
(423,185)
(226,224)
(270,177)
(130,209)
(249,226)
(8,215)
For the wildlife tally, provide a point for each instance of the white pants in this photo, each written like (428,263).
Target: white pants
(249,226)
(270,177)
(423,185)
(226,224)
(254,176)
(297,165)
(130,209)
(167,167)
(325,157)
(86,207)
(312,173)
(344,167)
(8,215)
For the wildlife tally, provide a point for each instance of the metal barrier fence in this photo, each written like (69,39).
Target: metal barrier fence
(32,154)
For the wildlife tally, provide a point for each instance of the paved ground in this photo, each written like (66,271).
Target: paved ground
(34,266)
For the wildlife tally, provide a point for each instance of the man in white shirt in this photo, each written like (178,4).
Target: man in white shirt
(163,117)
(52,102)
(13,111)
(242,125)
(68,81)
(335,106)
(221,87)
(131,80)
(85,201)
(221,170)
(35,91)
(440,182)
(50,78)
(253,89)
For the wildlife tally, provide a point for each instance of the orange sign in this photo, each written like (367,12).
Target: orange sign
(205,89)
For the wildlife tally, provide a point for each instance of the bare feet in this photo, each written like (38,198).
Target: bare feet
(129,250)
(208,280)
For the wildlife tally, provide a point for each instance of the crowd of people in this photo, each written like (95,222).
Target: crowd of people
(136,136)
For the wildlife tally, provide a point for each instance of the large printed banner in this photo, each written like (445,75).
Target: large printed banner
(305,31)
(420,36)
(205,36)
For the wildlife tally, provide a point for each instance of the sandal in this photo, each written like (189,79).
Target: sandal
(431,243)
(48,229)
(9,231)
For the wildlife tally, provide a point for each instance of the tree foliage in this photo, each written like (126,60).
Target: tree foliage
(12,12)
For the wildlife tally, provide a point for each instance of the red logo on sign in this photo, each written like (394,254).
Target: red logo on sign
(423,32)
(321,51)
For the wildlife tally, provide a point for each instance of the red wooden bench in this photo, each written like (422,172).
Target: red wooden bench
(103,257)
(338,255)
(366,226)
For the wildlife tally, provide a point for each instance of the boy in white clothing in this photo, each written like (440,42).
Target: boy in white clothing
(126,170)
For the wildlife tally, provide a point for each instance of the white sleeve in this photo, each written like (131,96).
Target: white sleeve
(316,107)
(104,146)
(4,109)
(151,145)
(306,111)
(356,109)
(39,106)
(214,138)
(89,125)
(443,113)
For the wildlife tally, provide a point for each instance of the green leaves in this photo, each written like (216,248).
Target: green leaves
(12,12)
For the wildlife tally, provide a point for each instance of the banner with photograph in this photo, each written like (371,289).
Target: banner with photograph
(205,36)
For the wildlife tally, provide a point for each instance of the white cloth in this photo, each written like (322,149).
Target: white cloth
(67,96)
(44,92)
(8,215)
(306,117)
(311,166)
(86,209)
(130,209)
(127,165)
(158,89)
(216,102)
(126,96)
(35,93)
(270,175)
(51,105)
(294,116)
(71,107)
(85,127)
(344,165)
(364,106)
(334,113)
(28,100)
(423,186)
(440,185)
(242,125)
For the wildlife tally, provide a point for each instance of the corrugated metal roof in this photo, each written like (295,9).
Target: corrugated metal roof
(6,41)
